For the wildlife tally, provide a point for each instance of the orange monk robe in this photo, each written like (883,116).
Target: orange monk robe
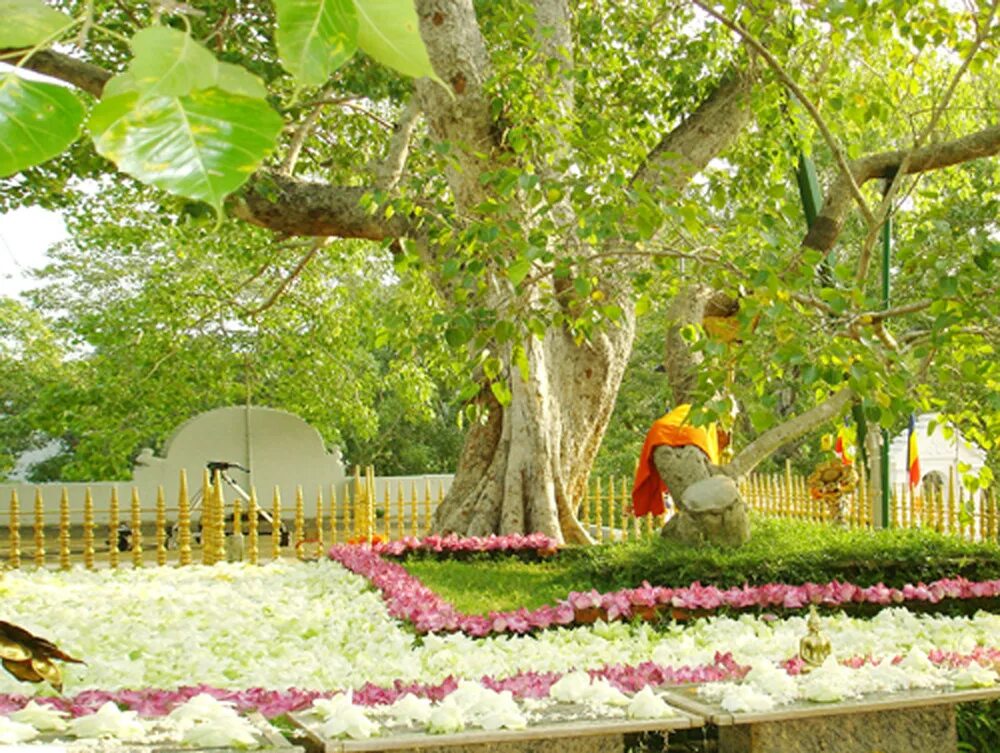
(671,429)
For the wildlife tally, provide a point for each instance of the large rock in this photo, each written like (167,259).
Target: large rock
(709,507)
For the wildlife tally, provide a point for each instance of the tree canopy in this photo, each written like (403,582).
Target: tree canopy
(549,171)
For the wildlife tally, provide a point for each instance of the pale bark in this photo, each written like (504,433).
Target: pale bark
(768,442)
(526,467)
(830,221)
(680,361)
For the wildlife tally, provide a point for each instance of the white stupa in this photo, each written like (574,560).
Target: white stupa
(940,455)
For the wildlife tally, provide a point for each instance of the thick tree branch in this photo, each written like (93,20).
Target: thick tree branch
(789,83)
(830,221)
(460,116)
(770,441)
(712,127)
(86,76)
(297,207)
(390,170)
(554,37)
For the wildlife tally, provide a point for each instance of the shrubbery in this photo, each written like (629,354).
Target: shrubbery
(785,551)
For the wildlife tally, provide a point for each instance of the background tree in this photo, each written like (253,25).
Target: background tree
(545,166)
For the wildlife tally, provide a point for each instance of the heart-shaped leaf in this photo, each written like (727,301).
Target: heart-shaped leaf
(232,78)
(170,63)
(389,31)
(29,22)
(37,122)
(315,37)
(202,146)
(236,79)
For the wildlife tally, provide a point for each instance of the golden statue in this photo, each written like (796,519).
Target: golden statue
(814,647)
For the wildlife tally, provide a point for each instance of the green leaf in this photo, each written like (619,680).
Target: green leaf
(202,146)
(389,31)
(123,83)
(315,37)
(29,22)
(501,392)
(517,271)
(170,63)
(236,79)
(37,122)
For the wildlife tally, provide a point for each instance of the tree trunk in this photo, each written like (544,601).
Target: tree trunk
(524,469)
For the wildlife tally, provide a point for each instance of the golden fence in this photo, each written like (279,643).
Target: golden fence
(950,509)
(221,530)
(238,529)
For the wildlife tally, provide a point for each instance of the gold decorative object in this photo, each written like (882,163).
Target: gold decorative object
(136,529)
(88,530)
(15,531)
(39,529)
(300,520)
(333,513)
(113,529)
(160,531)
(319,517)
(276,524)
(64,560)
(183,522)
(832,482)
(30,658)
(234,542)
(814,648)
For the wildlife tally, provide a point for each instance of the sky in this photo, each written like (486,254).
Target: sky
(25,235)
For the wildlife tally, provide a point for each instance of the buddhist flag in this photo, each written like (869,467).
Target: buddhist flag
(912,458)
(841,445)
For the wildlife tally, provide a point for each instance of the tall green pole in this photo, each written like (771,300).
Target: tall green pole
(886,251)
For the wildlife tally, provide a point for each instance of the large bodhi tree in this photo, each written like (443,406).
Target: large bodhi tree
(548,160)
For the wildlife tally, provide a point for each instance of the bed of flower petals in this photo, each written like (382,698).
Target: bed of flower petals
(409,599)
(536,543)
(218,641)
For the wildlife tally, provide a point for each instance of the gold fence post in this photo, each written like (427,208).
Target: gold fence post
(612,517)
(400,510)
(319,520)
(370,502)
(427,506)
(333,514)
(160,529)
(300,524)
(585,507)
(64,563)
(183,522)
(387,509)
(39,529)
(220,521)
(136,529)
(598,511)
(625,505)
(414,508)
(356,498)
(207,518)
(15,531)
(88,529)
(113,528)
(253,537)
(276,524)
(348,513)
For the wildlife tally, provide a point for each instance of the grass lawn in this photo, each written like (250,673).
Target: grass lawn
(780,551)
